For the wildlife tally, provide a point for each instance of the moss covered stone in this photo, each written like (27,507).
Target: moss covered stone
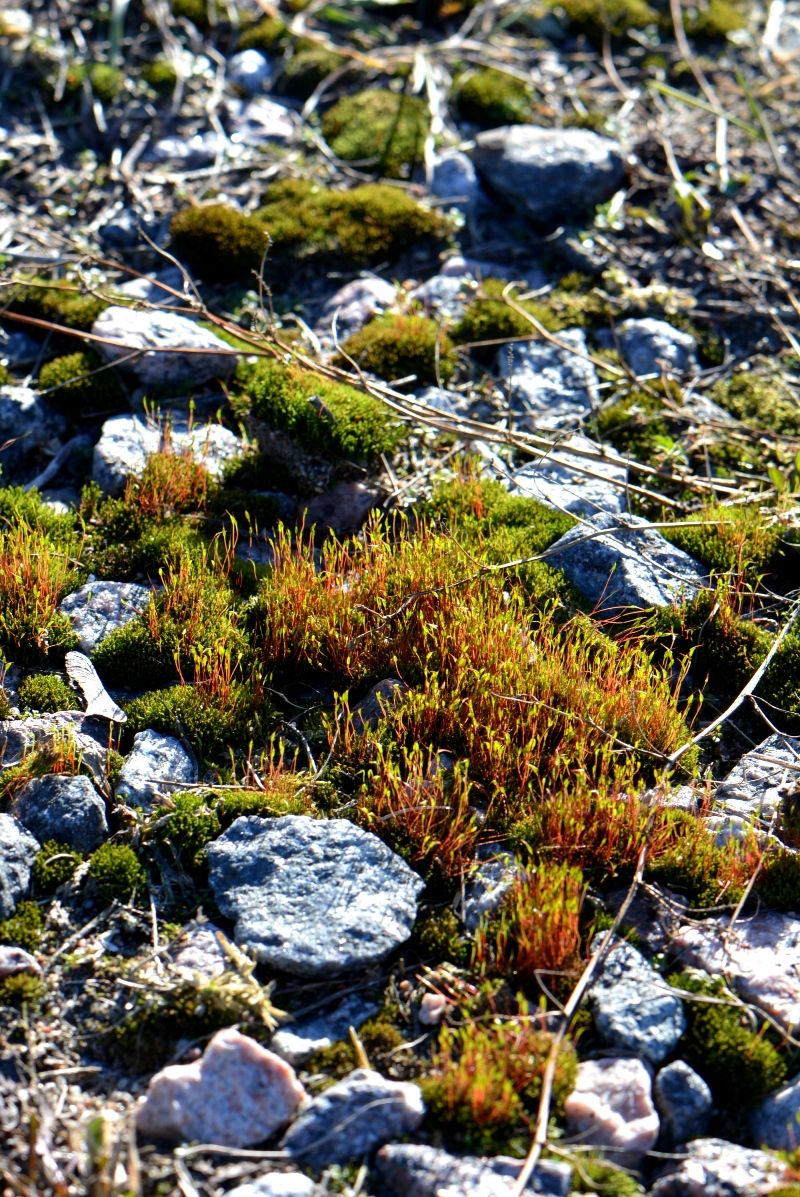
(79,384)
(383,130)
(411,348)
(160,75)
(490,97)
(574,303)
(209,726)
(219,242)
(116,873)
(24,928)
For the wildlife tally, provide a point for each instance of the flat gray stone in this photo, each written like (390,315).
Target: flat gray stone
(619,562)
(755,787)
(776,1121)
(571,482)
(312,897)
(60,807)
(716,1168)
(300,1040)
(654,347)
(277,1184)
(156,765)
(18,737)
(126,442)
(486,887)
(550,386)
(632,1006)
(352,1118)
(150,343)
(417,1170)
(555,176)
(684,1102)
(98,608)
(352,306)
(18,851)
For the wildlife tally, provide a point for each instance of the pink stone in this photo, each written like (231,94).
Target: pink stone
(15,960)
(237,1094)
(432,1009)
(611,1106)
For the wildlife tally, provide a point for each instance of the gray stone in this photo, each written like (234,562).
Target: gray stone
(755,787)
(654,347)
(149,343)
(632,1006)
(60,807)
(776,1121)
(236,1094)
(156,765)
(443,295)
(572,482)
(250,71)
(353,305)
(716,1168)
(15,960)
(343,508)
(29,430)
(124,226)
(298,1042)
(17,348)
(18,851)
(276,1184)
(352,1118)
(760,955)
(197,952)
(555,176)
(455,180)
(619,561)
(379,701)
(417,1170)
(312,897)
(549,385)
(486,887)
(149,290)
(98,608)
(190,153)
(254,122)
(449,403)
(18,737)
(611,1106)
(126,442)
(684,1102)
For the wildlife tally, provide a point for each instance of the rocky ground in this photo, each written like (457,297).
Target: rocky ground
(400,705)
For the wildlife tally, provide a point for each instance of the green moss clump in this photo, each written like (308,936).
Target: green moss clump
(18,506)
(778,883)
(123,542)
(379,1037)
(440,936)
(490,97)
(60,303)
(5,376)
(714,20)
(187,830)
(383,129)
(739,1064)
(209,726)
(736,540)
(284,797)
(325,416)
(394,347)
(760,398)
(593,1175)
(55,864)
(22,989)
(219,242)
(160,75)
(133,651)
(46,692)
(196,11)
(637,426)
(265,34)
(81,385)
(596,17)
(105,81)
(24,927)
(115,872)
(146,1038)
(306,69)
(574,303)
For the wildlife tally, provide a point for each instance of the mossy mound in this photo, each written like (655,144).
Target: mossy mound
(160,75)
(24,927)
(306,69)
(79,384)
(115,872)
(489,97)
(46,692)
(55,864)
(57,302)
(760,398)
(266,34)
(738,540)
(105,81)
(573,303)
(383,130)
(411,348)
(709,22)
(208,725)
(219,242)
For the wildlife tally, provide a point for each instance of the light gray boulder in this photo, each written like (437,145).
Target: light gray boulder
(60,807)
(126,442)
(312,897)
(618,561)
(776,1121)
(148,344)
(18,851)
(550,386)
(417,1170)
(353,305)
(555,176)
(684,1102)
(156,765)
(98,608)
(352,1118)
(299,1041)
(715,1167)
(652,346)
(756,786)
(573,482)
(632,1006)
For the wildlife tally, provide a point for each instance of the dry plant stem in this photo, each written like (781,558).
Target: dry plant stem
(570,1010)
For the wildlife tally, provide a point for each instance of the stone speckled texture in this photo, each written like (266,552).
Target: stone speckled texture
(159,337)
(98,608)
(18,851)
(64,808)
(155,765)
(716,1168)
(417,1170)
(632,1007)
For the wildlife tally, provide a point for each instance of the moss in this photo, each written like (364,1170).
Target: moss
(196,11)
(105,81)
(306,69)
(440,936)
(284,797)
(55,864)
(160,74)
(383,129)
(36,571)
(265,34)
(573,303)
(133,651)
(116,873)
(218,242)
(325,416)
(778,883)
(759,397)
(490,97)
(596,17)
(210,727)
(23,989)
(736,540)
(24,927)
(187,830)
(19,506)
(379,1037)
(637,426)
(59,302)
(46,692)
(123,542)
(79,384)
(739,1064)
(715,20)
(396,347)
(596,1175)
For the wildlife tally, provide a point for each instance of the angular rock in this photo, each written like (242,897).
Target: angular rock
(29,430)
(619,562)
(15,960)
(344,508)
(611,1106)
(684,1102)
(312,897)
(298,1042)
(352,1118)
(379,700)
(416,1170)
(150,344)
(754,788)
(250,71)
(455,180)
(237,1094)
(98,608)
(632,1006)
(126,442)
(277,1184)
(486,888)
(156,764)
(760,955)
(18,851)
(198,952)
(555,176)
(716,1168)
(254,122)
(570,482)
(776,1121)
(450,403)
(654,347)
(353,305)
(18,737)
(550,385)
(60,807)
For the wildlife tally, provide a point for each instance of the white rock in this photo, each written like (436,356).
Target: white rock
(98,608)
(683,1100)
(611,1106)
(126,442)
(755,787)
(298,1042)
(418,1170)
(198,952)
(714,1166)
(256,121)
(64,808)
(237,1094)
(654,347)
(168,334)
(455,180)
(276,1184)
(14,960)
(250,70)
(575,483)
(156,765)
